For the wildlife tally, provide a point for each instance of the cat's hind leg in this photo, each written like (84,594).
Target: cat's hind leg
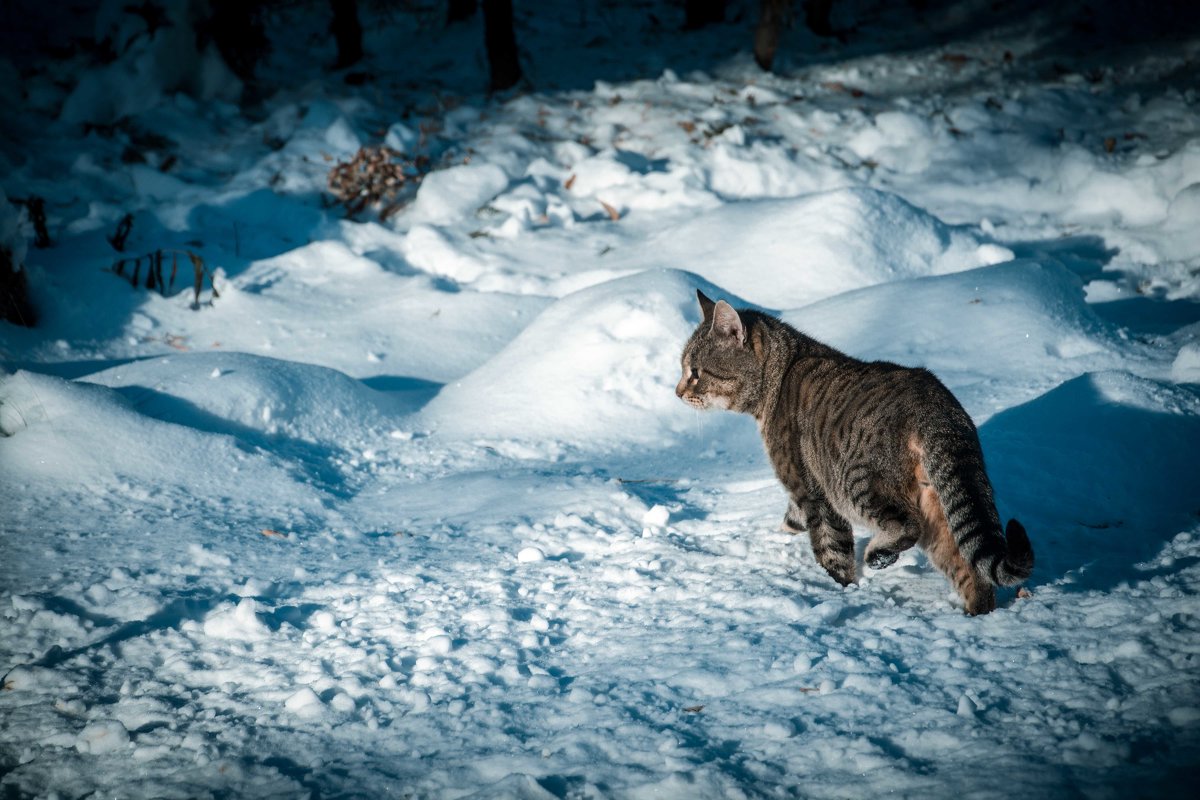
(832,540)
(979,597)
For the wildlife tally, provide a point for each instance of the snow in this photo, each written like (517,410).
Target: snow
(411,508)
(153,60)
(607,376)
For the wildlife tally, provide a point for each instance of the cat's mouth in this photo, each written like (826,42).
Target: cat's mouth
(705,402)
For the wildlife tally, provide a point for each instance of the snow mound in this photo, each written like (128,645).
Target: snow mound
(232,392)
(1071,454)
(809,248)
(599,366)
(1180,239)
(90,437)
(335,303)
(449,195)
(240,622)
(1022,322)
(898,140)
(103,736)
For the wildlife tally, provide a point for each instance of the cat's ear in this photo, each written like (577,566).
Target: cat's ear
(706,306)
(727,324)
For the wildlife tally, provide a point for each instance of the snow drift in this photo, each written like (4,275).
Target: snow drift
(598,366)
(234,392)
(808,248)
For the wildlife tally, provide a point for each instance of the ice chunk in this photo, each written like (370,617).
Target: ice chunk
(304,703)
(657,516)
(529,555)
(780,729)
(238,622)
(1186,366)
(102,736)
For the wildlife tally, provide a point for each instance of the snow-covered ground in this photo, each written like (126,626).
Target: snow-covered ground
(411,510)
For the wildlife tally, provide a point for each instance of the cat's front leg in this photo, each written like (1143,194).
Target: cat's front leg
(793,520)
(832,540)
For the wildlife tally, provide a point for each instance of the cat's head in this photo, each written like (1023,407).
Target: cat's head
(720,369)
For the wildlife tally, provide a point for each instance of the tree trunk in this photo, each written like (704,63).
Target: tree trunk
(501,44)
(14,296)
(459,11)
(236,28)
(698,13)
(816,17)
(347,30)
(766,36)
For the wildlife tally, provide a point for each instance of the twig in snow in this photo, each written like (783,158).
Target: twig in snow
(154,272)
(36,206)
(117,240)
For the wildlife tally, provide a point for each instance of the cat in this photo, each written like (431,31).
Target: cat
(873,442)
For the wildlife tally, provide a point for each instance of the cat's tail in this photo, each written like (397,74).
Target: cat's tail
(1017,563)
(958,475)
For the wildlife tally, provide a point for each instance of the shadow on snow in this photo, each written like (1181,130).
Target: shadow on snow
(1100,483)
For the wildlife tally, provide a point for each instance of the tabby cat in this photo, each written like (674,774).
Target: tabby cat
(874,442)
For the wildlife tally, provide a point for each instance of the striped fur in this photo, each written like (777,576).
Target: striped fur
(871,442)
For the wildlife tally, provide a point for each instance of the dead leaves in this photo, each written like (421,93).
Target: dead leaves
(609,209)
(375,178)
(838,86)
(1112,142)
(173,340)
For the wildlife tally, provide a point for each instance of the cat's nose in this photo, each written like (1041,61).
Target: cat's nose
(681,387)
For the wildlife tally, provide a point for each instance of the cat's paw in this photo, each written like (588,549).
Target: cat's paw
(792,525)
(881,559)
(843,577)
(980,602)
